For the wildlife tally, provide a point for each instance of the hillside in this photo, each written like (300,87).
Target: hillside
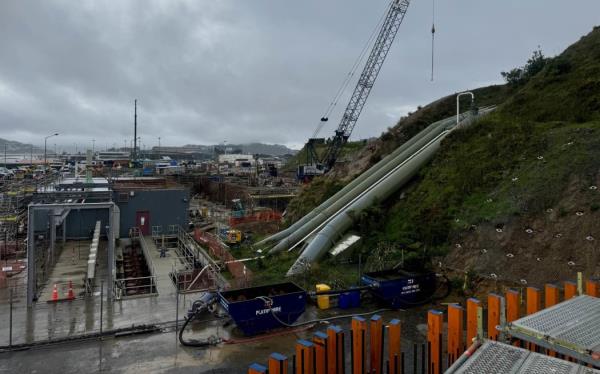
(248,148)
(513,197)
(13,147)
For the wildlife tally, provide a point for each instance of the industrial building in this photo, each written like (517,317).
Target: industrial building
(96,212)
(139,202)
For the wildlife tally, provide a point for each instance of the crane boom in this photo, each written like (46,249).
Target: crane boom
(382,45)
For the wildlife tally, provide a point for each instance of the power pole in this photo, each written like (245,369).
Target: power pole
(134,129)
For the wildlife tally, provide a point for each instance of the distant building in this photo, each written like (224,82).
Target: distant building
(237,159)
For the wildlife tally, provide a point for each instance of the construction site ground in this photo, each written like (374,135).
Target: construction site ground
(71,266)
(47,321)
(162,353)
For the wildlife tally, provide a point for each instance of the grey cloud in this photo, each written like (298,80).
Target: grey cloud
(262,70)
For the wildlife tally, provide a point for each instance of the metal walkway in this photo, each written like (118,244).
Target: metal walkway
(493,357)
(571,328)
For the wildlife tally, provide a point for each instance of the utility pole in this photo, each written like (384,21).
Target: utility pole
(134,129)
(45,148)
(5,144)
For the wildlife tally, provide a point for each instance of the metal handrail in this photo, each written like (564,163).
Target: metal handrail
(120,284)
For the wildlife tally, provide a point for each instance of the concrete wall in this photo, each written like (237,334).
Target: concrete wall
(166,207)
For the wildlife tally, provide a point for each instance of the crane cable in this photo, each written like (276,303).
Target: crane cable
(340,91)
(432,35)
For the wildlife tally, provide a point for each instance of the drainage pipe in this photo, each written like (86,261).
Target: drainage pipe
(344,192)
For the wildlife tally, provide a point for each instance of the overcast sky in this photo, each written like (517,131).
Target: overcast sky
(208,71)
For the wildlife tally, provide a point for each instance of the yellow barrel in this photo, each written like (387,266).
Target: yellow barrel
(323,300)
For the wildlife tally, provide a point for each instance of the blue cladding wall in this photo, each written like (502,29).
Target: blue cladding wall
(166,207)
(81,223)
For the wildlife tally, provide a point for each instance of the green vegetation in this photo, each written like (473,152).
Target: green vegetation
(518,161)
(519,76)
(272,269)
(319,190)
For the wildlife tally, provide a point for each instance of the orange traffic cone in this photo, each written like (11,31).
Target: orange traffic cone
(55,293)
(71,295)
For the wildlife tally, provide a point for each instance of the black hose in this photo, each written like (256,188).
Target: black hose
(337,292)
(326,319)
(195,342)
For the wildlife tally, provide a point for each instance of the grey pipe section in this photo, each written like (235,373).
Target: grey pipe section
(395,179)
(381,190)
(326,210)
(347,189)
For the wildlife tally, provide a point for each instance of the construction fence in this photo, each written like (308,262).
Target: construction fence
(376,348)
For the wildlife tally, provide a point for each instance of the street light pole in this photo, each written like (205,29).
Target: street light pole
(45,148)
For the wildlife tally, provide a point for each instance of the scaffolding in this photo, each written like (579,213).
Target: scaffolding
(194,269)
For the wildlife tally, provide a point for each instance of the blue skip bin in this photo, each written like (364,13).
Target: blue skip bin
(253,316)
(400,288)
(349,299)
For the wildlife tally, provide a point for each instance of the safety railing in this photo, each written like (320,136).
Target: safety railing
(132,287)
(138,286)
(190,260)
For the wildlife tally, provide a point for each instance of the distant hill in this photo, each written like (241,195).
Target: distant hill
(250,148)
(266,149)
(17,147)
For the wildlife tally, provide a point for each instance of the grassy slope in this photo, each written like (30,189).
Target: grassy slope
(517,162)
(365,156)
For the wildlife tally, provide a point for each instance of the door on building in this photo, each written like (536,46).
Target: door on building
(142,221)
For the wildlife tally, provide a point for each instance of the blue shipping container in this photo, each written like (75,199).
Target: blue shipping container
(399,288)
(253,316)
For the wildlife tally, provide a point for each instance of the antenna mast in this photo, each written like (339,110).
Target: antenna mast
(432,35)
(134,154)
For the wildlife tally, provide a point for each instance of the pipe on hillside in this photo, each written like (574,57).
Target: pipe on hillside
(326,210)
(387,185)
(350,186)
